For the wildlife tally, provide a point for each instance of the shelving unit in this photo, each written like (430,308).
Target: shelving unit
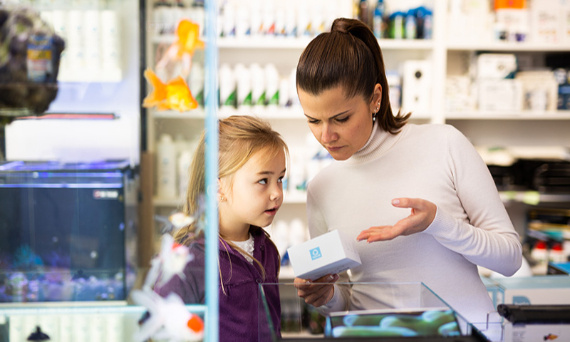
(446,57)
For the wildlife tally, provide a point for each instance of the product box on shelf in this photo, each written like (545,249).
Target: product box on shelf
(329,253)
(548,289)
(416,85)
(500,95)
(558,268)
(496,65)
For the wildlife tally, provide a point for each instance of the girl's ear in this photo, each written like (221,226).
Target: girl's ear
(221,191)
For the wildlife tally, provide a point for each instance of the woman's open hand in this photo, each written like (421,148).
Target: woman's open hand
(316,292)
(421,216)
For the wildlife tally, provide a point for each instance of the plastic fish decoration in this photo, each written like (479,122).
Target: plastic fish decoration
(173,95)
(179,220)
(187,41)
(170,261)
(168,319)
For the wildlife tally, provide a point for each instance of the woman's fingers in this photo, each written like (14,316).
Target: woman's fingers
(421,216)
(317,292)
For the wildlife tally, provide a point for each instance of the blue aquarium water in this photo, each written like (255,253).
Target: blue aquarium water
(66,231)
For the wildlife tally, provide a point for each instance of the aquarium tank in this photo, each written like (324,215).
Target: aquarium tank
(67,231)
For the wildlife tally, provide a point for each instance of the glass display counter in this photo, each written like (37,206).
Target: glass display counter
(407,311)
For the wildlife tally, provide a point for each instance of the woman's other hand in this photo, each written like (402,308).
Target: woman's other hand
(316,292)
(421,216)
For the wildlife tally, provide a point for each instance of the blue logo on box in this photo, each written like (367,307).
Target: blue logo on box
(315,253)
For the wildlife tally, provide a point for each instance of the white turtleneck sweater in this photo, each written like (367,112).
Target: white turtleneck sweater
(471,227)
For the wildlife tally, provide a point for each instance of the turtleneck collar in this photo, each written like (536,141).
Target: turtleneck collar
(378,144)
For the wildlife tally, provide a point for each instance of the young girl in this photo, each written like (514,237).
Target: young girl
(252,164)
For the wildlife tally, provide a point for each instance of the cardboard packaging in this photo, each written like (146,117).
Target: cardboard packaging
(329,253)
(550,289)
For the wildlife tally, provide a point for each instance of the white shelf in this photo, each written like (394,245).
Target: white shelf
(197,113)
(300,43)
(168,202)
(277,42)
(525,115)
(293,113)
(262,112)
(506,46)
(533,197)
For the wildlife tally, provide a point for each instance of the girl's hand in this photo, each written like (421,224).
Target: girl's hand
(316,292)
(422,215)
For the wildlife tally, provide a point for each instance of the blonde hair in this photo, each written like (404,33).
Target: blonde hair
(239,138)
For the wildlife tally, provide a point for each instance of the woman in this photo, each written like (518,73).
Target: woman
(384,165)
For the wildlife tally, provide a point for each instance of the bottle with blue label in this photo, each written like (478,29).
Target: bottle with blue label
(378,20)
(424,21)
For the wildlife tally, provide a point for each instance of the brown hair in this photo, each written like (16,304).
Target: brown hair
(239,138)
(349,56)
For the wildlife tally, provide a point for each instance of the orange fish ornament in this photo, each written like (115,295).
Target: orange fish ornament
(183,48)
(174,95)
(188,34)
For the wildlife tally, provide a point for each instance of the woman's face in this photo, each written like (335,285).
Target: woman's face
(342,125)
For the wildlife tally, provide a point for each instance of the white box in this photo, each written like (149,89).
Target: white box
(329,253)
(547,290)
(500,95)
(416,86)
(495,65)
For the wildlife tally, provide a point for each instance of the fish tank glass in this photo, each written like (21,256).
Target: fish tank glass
(67,231)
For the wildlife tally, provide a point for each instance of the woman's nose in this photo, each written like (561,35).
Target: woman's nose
(327,134)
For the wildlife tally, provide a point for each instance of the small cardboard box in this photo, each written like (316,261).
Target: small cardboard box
(329,253)
(549,289)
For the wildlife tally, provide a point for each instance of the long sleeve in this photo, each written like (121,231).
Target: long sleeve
(487,238)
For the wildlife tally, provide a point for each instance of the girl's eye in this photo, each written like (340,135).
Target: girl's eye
(263,181)
(312,121)
(280,180)
(342,119)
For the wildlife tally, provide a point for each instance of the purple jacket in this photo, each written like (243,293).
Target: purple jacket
(242,315)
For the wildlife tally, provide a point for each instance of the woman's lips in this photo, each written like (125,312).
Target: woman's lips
(334,148)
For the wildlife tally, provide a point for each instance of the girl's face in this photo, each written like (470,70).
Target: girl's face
(342,125)
(251,196)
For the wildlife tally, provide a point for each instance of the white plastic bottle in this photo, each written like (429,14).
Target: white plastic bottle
(197,82)
(257,85)
(227,86)
(183,166)
(243,80)
(166,167)
(271,86)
